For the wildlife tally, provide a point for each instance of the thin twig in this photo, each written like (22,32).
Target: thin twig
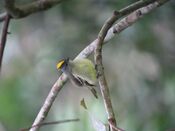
(2,16)
(4,38)
(100,69)
(83,54)
(51,123)
(135,6)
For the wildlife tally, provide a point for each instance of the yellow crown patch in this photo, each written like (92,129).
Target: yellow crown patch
(60,64)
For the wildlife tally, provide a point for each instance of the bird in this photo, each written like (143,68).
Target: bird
(81,72)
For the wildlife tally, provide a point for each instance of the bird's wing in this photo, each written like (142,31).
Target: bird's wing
(85,69)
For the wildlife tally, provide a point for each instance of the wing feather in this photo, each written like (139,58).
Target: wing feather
(85,69)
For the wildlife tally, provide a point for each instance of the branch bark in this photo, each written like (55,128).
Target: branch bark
(100,69)
(49,101)
(4,38)
(117,28)
(17,12)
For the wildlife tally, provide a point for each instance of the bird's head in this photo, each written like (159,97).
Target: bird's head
(63,64)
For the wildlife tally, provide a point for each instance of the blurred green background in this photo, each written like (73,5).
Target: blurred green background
(139,65)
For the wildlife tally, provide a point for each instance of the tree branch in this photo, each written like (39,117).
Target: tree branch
(117,28)
(2,16)
(23,11)
(49,101)
(17,12)
(51,123)
(4,38)
(37,6)
(100,69)
(10,8)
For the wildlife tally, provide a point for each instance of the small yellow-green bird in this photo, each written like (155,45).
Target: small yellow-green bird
(81,72)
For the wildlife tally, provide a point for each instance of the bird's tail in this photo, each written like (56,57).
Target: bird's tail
(79,82)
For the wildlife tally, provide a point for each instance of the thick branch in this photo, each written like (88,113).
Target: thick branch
(25,10)
(49,101)
(4,37)
(121,25)
(37,6)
